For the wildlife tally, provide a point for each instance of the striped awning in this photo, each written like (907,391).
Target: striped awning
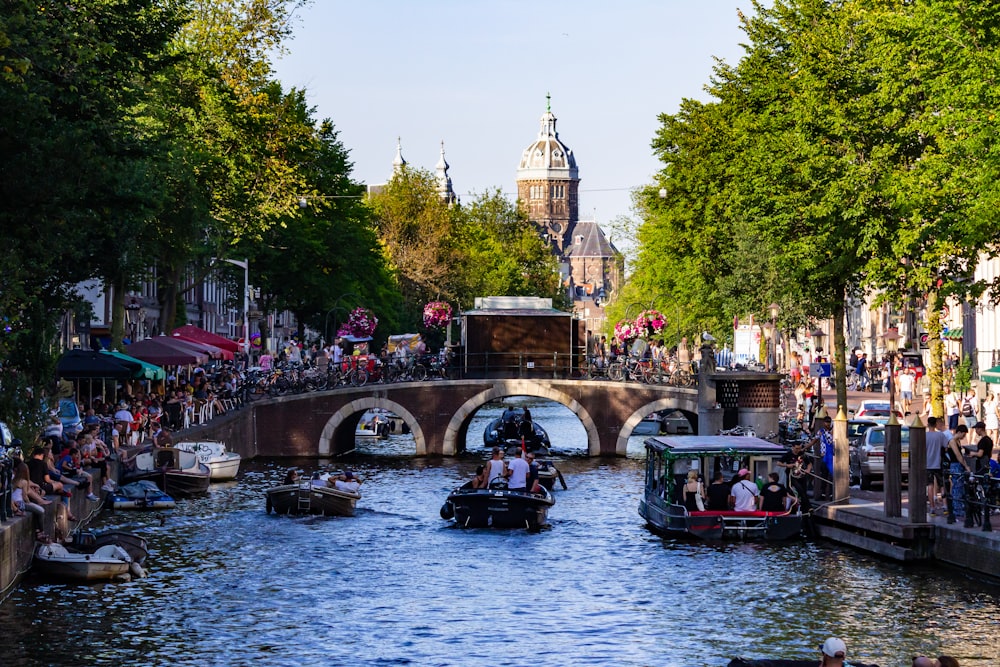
(952,334)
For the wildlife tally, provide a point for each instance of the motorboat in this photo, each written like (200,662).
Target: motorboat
(650,425)
(497,507)
(143,494)
(312,496)
(515,429)
(548,474)
(670,458)
(769,662)
(374,424)
(87,542)
(223,465)
(107,563)
(175,471)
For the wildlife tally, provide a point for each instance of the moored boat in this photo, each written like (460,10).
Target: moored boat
(769,662)
(143,494)
(177,473)
(107,563)
(312,496)
(670,458)
(515,429)
(88,542)
(222,464)
(497,507)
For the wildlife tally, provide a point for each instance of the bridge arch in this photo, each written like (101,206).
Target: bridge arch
(660,404)
(339,428)
(458,425)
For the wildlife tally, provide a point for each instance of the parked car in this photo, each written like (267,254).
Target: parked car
(856,429)
(869,464)
(876,410)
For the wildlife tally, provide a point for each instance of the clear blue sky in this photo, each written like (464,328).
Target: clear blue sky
(475,73)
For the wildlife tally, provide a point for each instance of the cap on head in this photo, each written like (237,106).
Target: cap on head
(834,647)
(348,475)
(742,472)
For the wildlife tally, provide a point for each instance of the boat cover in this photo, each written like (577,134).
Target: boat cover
(140,489)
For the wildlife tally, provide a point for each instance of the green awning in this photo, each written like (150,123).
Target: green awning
(952,334)
(992,375)
(147,371)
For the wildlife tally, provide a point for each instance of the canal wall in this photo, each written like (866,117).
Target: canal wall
(17,534)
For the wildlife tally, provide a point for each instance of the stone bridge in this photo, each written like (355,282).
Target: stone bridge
(439,412)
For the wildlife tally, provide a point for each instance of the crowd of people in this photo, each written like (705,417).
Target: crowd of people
(519,474)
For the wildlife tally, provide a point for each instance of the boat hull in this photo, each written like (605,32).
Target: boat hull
(497,508)
(141,496)
(106,564)
(223,465)
(176,472)
(676,519)
(307,499)
(88,542)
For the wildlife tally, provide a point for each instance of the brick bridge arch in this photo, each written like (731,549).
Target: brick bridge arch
(439,413)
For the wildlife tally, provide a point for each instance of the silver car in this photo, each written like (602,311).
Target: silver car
(870,464)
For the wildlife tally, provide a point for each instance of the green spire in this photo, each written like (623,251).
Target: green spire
(548,103)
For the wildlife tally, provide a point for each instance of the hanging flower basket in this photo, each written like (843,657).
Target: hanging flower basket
(437,314)
(360,323)
(650,323)
(626,331)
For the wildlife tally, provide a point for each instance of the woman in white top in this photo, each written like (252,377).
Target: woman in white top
(496,468)
(991,417)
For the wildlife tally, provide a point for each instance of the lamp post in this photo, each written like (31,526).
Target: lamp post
(774,308)
(890,339)
(817,336)
(132,314)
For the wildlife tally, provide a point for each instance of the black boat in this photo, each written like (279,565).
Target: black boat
(668,460)
(178,473)
(769,662)
(311,496)
(514,428)
(497,507)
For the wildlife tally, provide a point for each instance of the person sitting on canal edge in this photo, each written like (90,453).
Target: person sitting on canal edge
(743,495)
(718,494)
(834,652)
(774,497)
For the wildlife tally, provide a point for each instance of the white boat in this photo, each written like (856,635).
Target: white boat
(107,563)
(374,423)
(223,464)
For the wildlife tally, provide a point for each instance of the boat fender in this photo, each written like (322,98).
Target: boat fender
(447,511)
(137,570)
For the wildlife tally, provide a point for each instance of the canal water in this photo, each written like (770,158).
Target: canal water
(397,585)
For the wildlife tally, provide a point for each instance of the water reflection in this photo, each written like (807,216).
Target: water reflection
(397,585)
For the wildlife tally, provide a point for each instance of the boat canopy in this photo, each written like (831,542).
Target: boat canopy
(673,447)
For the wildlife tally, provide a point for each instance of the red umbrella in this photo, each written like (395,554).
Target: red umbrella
(205,348)
(162,351)
(193,333)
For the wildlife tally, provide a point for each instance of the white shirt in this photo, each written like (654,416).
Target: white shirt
(495,469)
(745,494)
(518,473)
(906,382)
(351,486)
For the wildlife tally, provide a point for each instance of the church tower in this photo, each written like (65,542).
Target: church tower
(548,183)
(444,188)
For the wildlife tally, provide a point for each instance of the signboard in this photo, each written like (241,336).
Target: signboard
(821,370)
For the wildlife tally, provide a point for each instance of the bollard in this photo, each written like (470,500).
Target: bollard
(893,468)
(917,482)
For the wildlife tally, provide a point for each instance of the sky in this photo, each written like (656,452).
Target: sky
(475,74)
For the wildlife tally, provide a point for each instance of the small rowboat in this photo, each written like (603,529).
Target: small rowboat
(107,563)
(222,464)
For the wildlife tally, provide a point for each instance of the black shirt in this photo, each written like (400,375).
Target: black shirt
(984,445)
(773,498)
(718,497)
(37,470)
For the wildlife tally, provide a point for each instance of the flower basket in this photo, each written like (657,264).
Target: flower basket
(437,314)
(361,323)
(650,323)
(626,331)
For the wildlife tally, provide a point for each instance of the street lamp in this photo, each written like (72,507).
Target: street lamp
(774,308)
(817,336)
(132,315)
(890,340)
(336,306)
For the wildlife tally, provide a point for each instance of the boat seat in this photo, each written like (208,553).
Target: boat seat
(737,515)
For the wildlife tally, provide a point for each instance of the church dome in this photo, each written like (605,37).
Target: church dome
(547,157)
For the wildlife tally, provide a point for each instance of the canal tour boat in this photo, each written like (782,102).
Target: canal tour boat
(668,460)
(512,431)
(497,507)
(312,496)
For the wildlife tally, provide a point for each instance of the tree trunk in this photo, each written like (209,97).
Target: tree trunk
(117,312)
(839,358)
(936,371)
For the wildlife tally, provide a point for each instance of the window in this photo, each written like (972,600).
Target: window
(558,191)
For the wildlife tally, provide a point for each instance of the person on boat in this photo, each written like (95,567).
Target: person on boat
(774,497)
(480,481)
(527,429)
(797,470)
(834,652)
(162,437)
(292,476)
(348,482)
(718,494)
(496,467)
(693,491)
(517,473)
(743,495)
(533,485)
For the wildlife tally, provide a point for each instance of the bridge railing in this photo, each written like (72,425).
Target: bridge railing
(555,365)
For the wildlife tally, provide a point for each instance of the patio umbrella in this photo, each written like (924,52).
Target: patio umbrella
(163,351)
(191,332)
(212,351)
(147,371)
(80,364)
